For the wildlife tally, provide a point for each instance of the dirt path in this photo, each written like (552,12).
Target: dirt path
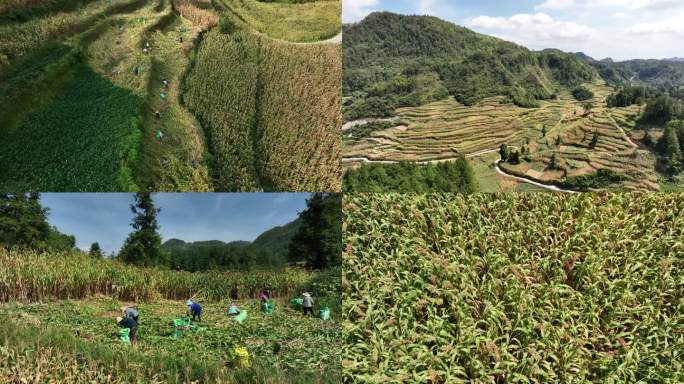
(530,181)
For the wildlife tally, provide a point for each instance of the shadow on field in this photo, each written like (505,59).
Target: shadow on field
(81,140)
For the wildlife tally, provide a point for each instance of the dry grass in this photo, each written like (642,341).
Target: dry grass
(200,17)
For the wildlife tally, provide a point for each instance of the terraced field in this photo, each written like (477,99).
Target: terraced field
(93,96)
(560,128)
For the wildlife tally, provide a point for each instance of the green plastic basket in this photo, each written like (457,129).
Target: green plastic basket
(324,313)
(125,335)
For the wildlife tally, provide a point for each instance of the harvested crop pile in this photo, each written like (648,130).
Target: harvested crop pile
(514,288)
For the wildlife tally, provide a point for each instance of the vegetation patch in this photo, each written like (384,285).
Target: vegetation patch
(513,288)
(281,131)
(78,142)
(448,176)
(294,21)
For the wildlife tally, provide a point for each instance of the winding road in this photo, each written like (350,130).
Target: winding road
(498,169)
(530,181)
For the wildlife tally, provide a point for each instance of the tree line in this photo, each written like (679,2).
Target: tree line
(449,176)
(316,244)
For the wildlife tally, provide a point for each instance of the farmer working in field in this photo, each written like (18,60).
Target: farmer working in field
(263,295)
(130,324)
(130,312)
(307,303)
(233,309)
(194,310)
(234,290)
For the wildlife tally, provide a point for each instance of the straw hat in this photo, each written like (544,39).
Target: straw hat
(189,302)
(118,319)
(306,294)
(123,309)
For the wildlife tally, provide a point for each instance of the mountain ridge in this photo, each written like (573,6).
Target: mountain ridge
(394,61)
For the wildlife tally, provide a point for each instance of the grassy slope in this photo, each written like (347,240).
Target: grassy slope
(307,22)
(515,288)
(97,120)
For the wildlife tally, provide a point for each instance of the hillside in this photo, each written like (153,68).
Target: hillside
(276,239)
(659,74)
(169,95)
(419,89)
(392,61)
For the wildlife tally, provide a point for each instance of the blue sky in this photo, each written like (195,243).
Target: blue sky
(621,29)
(106,217)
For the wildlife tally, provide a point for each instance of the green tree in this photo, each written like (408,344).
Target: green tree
(504,152)
(671,149)
(587,107)
(143,246)
(58,241)
(319,238)
(594,139)
(543,131)
(23,221)
(553,162)
(678,126)
(514,158)
(95,250)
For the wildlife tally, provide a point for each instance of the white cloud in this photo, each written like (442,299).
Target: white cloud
(555,5)
(355,10)
(636,5)
(532,29)
(656,29)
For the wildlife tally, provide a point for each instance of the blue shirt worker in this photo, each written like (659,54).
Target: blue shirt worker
(130,312)
(194,310)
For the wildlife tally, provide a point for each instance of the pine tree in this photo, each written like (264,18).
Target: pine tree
(143,246)
(672,149)
(319,238)
(95,250)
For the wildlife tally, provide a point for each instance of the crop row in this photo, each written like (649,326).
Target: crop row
(269,110)
(32,276)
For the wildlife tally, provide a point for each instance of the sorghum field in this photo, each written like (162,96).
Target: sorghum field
(169,95)
(513,288)
(63,308)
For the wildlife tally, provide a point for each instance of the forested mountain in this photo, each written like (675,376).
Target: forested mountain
(278,239)
(393,61)
(660,74)
(268,250)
